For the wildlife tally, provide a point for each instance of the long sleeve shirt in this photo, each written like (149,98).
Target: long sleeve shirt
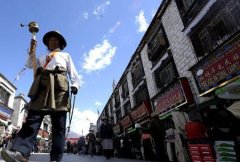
(61,59)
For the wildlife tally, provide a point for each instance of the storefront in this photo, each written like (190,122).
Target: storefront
(140,114)
(5,112)
(171,105)
(218,76)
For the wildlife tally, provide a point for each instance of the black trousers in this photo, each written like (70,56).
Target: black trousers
(26,137)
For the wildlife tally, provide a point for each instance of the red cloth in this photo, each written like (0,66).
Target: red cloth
(195,130)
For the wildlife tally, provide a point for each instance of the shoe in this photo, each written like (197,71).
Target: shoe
(13,156)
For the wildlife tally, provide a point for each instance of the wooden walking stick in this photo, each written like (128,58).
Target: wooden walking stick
(33,28)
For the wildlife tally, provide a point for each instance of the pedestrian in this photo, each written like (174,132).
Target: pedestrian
(56,76)
(106,135)
(68,146)
(157,131)
(80,145)
(8,136)
(91,138)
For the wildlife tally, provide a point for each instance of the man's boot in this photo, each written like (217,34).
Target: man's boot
(13,156)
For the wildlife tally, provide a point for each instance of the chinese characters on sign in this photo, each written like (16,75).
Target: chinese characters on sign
(219,67)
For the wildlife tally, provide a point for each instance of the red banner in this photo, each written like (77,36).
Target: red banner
(179,93)
(126,121)
(140,111)
(222,65)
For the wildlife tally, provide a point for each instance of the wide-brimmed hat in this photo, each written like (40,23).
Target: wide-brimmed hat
(50,34)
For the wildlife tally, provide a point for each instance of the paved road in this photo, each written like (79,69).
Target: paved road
(43,157)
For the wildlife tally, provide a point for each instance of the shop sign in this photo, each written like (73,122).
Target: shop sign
(178,94)
(116,129)
(140,111)
(126,121)
(221,66)
(6,112)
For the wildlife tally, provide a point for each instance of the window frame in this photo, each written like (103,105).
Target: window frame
(137,73)
(4,95)
(167,62)
(154,49)
(218,26)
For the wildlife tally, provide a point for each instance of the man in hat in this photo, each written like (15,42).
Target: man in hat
(106,134)
(49,95)
(91,138)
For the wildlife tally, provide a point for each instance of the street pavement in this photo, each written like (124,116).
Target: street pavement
(44,157)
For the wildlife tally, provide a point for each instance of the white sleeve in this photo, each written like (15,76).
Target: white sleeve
(73,74)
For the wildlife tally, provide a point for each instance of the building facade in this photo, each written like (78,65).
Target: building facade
(186,65)
(7,94)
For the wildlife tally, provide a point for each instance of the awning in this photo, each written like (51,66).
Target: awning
(235,109)
(230,91)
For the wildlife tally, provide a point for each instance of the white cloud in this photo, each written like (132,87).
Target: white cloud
(142,22)
(100,9)
(115,27)
(97,103)
(81,121)
(85,16)
(99,57)
(81,80)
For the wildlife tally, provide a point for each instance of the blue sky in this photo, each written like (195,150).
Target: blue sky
(102,35)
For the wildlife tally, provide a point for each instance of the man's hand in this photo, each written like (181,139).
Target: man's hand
(74,90)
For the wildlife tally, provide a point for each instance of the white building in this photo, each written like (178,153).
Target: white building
(7,94)
(20,112)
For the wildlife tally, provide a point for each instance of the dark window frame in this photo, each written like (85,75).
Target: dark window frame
(118,114)
(117,98)
(4,95)
(157,45)
(125,89)
(216,28)
(45,126)
(127,107)
(137,73)
(189,11)
(141,95)
(167,63)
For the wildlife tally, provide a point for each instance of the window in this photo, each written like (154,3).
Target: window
(4,96)
(137,74)
(125,90)
(127,107)
(111,107)
(220,24)
(166,73)
(118,114)
(45,126)
(106,112)
(158,44)
(189,9)
(141,95)
(117,99)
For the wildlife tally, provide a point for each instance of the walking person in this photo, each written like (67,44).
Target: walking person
(157,131)
(80,145)
(49,95)
(106,134)
(91,142)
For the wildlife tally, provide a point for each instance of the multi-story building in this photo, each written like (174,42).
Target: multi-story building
(187,64)
(15,108)
(7,94)
(20,111)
